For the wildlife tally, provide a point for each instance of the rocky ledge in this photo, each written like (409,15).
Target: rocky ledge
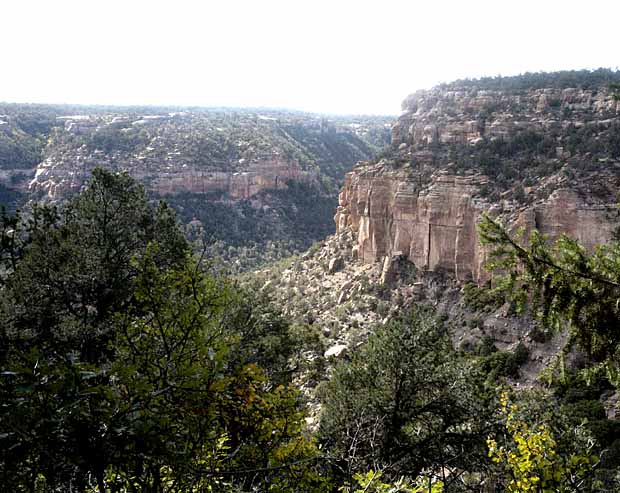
(58,178)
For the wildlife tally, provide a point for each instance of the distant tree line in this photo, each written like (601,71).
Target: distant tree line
(563,79)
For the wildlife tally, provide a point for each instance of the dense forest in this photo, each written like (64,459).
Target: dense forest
(129,364)
(245,237)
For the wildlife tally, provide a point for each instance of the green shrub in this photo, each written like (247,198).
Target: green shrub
(481,299)
(502,364)
(486,346)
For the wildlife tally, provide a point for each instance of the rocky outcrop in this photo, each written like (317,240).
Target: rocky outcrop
(236,154)
(440,116)
(545,159)
(155,150)
(434,226)
(270,174)
(566,213)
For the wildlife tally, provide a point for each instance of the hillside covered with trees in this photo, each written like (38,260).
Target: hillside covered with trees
(128,364)
(441,341)
(255,184)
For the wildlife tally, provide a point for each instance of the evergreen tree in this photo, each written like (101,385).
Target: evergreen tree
(405,403)
(564,286)
(127,366)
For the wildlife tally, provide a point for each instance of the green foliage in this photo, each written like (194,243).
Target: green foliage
(563,284)
(580,144)
(532,461)
(335,151)
(11,199)
(23,135)
(481,299)
(501,364)
(246,236)
(371,482)
(114,139)
(581,402)
(511,161)
(71,269)
(195,373)
(19,150)
(127,366)
(584,79)
(486,346)
(404,402)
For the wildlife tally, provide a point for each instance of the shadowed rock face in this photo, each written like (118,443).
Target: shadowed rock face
(428,214)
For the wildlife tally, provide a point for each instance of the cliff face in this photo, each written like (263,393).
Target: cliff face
(58,178)
(419,203)
(435,226)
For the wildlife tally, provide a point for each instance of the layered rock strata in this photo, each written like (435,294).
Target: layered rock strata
(235,153)
(440,116)
(422,204)
(59,178)
(435,226)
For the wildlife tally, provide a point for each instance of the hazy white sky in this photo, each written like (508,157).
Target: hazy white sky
(335,56)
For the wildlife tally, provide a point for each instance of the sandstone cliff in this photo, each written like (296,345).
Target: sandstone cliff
(464,116)
(459,154)
(57,177)
(435,226)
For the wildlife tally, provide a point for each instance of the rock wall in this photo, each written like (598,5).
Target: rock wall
(240,185)
(434,226)
(238,153)
(56,178)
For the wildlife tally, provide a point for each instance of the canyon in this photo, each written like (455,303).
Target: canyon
(58,178)
(254,185)
(235,154)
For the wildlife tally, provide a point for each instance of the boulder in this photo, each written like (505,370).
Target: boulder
(337,351)
(335,264)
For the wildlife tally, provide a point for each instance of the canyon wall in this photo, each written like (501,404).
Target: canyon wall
(234,153)
(417,203)
(435,226)
(59,178)
(439,116)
